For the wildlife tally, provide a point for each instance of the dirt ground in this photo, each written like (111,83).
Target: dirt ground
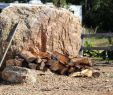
(51,84)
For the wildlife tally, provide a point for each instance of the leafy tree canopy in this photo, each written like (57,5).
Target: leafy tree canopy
(96,13)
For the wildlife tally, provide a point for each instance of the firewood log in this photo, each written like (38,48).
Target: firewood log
(60,57)
(42,55)
(14,62)
(32,66)
(43,66)
(83,73)
(27,54)
(81,61)
(57,67)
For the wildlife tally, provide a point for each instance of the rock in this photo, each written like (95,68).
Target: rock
(95,74)
(41,27)
(15,74)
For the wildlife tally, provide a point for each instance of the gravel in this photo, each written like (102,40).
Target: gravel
(49,83)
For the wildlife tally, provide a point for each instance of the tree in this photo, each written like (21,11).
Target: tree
(96,13)
(59,3)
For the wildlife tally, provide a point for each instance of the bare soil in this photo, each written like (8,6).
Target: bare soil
(51,84)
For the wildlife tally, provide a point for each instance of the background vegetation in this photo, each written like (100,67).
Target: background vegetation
(97,17)
(97,14)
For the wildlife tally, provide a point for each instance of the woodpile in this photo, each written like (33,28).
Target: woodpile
(58,63)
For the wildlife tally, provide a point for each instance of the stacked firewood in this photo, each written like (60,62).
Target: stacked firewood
(55,61)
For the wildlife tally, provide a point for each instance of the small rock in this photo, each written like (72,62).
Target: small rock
(15,74)
(96,74)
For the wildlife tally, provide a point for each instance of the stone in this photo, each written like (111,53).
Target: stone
(40,27)
(15,74)
(96,74)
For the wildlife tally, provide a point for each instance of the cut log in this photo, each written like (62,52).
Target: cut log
(64,71)
(38,60)
(83,73)
(44,55)
(76,74)
(43,66)
(57,67)
(40,54)
(54,65)
(32,66)
(87,73)
(80,61)
(71,70)
(27,55)
(14,62)
(60,57)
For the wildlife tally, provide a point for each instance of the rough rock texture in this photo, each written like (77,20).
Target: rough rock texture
(42,28)
(17,74)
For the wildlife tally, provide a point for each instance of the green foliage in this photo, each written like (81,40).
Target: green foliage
(97,13)
(107,54)
(7,1)
(90,53)
(62,2)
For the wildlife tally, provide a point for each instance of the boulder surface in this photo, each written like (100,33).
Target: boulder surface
(40,27)
(17,74)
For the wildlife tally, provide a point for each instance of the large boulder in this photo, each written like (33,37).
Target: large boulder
(40,27)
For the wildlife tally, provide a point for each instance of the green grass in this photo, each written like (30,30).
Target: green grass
(99,42)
